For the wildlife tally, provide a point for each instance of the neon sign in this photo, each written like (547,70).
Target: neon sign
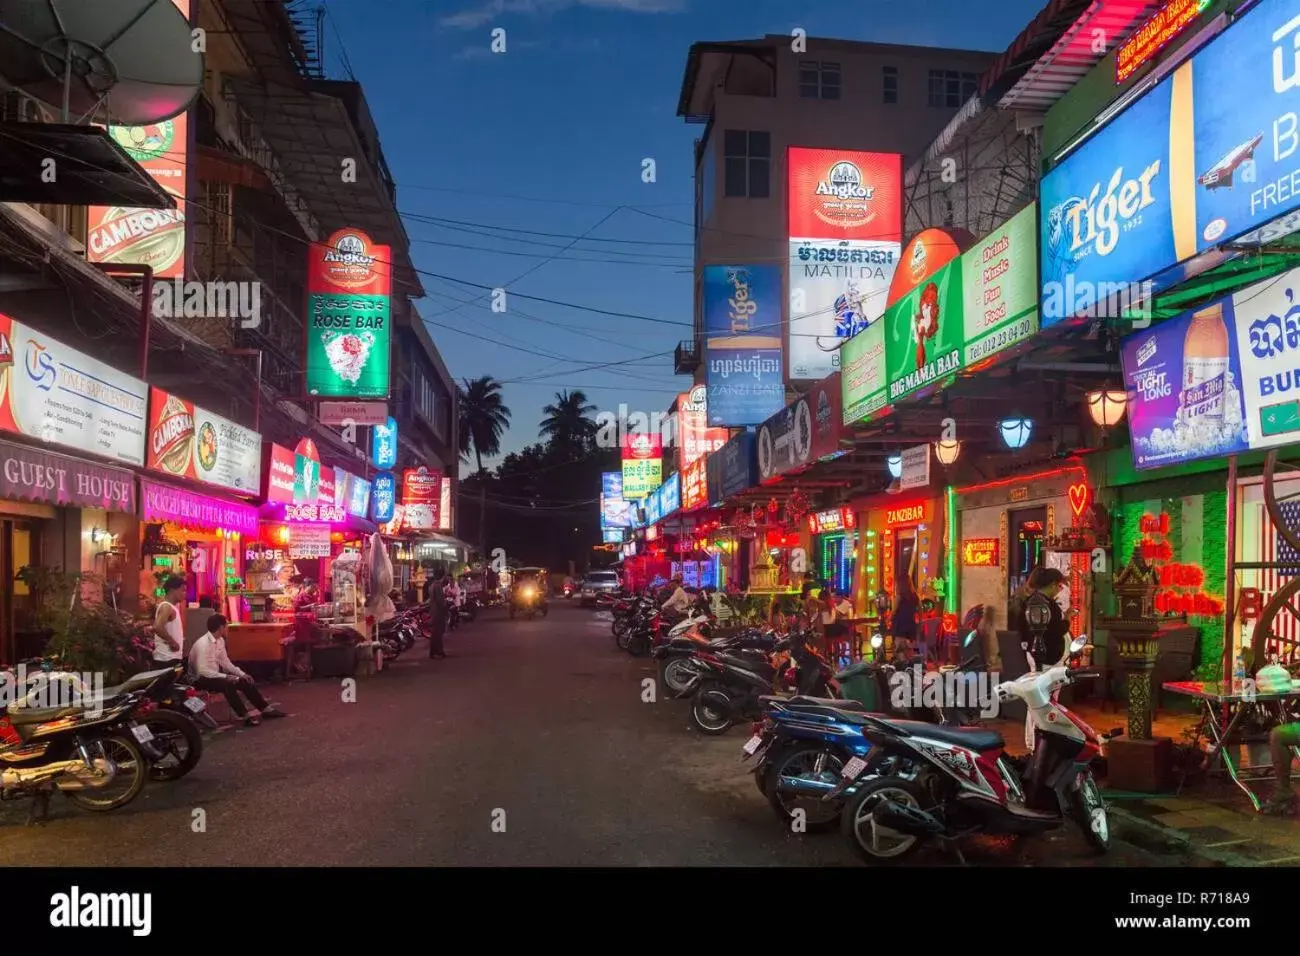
(1080,498)
(907,514)
(1180,584)
(836,519)
(981,552)
(314,513)
(1154,35)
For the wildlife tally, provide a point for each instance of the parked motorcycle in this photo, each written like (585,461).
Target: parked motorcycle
(80,752)
(731,689)
(966,783)
(690,638)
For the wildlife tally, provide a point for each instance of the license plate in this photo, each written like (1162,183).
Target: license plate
(195,705)
(142,733)
(752,745)
(853,768)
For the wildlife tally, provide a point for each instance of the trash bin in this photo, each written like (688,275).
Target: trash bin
(860,683)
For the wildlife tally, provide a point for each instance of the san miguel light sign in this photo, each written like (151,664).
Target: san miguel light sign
(1154,35)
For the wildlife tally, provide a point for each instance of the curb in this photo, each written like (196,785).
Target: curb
(1165,841)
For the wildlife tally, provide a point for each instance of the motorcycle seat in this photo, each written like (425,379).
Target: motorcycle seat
(26,716)
(833,702)
(753,664)
(973,738)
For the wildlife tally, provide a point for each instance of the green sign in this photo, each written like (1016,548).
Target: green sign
(348,342)
(862,373)
(1000,288)
(924,334)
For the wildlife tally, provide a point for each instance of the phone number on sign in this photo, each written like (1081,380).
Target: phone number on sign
(1012,334)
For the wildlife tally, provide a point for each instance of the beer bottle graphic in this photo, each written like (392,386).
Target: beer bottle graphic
(1205,368)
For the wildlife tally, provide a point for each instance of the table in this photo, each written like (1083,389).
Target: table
(1212,697)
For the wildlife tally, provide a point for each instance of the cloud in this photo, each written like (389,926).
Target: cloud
(483,51)
(490,10)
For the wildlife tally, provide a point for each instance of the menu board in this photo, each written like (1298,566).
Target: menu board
(862,374)
(1000,288)
(187,441)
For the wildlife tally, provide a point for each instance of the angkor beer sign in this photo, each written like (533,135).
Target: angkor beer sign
(149,237)
(349,319)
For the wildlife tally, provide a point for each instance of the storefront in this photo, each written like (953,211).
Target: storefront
(1008,528)
(59,512)
(730,471)
(835,545)
(901,544)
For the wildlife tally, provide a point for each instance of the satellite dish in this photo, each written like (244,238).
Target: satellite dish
(131,62)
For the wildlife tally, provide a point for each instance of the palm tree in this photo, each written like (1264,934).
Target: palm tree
(568,426)
(483,419)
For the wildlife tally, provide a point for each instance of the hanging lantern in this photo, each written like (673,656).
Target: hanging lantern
(1106,406)
(895,465)
(1016,432)
(947,451)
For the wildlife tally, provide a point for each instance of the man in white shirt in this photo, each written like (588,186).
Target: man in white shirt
(213,670)
(679,603)
(168,636)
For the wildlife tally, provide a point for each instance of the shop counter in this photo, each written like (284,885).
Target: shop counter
(258,643)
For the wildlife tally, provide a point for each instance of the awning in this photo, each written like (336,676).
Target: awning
(31,474)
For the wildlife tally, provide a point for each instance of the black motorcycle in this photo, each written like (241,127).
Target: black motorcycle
(674,657)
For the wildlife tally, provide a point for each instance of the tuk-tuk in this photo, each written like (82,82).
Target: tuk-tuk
(528,592)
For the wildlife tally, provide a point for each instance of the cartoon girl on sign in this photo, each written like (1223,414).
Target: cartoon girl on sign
(925,324)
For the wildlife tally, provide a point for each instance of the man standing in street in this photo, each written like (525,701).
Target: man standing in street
(437,613)
(168,635)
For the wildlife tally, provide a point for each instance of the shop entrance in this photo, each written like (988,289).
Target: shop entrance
(838,560)
(19,547)
(904,558)
(1025,552)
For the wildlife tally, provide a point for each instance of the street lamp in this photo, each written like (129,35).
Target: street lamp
(1038,614)
(1106,406)
(1015,432)
(947,451)
(895,464)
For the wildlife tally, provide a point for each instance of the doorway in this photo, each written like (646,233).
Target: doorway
(904,553)
(1027,529)
(20,542)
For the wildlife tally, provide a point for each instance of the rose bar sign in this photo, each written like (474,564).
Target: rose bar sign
(349,321)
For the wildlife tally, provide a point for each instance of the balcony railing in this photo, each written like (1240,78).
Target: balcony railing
(686,357)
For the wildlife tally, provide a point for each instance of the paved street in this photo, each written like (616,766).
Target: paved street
(541,720)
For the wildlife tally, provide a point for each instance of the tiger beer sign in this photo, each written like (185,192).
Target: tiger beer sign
(117,235)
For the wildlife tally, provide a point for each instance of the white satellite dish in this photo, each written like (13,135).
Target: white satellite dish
(121,62)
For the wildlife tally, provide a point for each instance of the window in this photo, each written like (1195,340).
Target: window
(950,89)
(433,404)
(819,80)
(890,76)
(748,163)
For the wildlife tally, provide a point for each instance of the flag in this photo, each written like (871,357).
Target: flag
(1275,549)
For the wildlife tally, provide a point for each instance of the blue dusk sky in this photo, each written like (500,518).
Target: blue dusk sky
(517,155)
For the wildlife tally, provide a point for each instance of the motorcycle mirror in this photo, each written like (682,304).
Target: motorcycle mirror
(970,639)
(877,640)
(1079,643)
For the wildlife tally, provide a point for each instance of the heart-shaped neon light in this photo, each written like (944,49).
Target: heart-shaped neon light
(1079,495)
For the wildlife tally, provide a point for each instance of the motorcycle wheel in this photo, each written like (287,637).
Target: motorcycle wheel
(130,761)
(877,844)
(798,761)
(706,719)
(179,738)
(639,645)
(1090,813)
(622,640)
(675,675)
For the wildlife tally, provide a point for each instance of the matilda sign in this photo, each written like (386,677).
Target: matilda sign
(349,320)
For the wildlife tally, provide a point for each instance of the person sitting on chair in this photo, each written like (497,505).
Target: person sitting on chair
(213,670)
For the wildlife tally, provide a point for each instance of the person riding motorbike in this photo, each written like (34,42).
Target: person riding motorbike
(452,593)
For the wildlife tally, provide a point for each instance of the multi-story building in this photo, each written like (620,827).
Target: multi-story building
(757,98)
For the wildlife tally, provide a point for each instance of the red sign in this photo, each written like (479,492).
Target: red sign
(695,492)
(825,403)
(1080,498)
(836,519)
(925,254)
(694,436)
(641,447)
(908,514)
(421,498)
(364,274)
(844,194)
(981,552)
(1154,35)
(1180,584)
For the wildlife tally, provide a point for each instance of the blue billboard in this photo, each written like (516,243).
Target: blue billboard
(383,444)
(744,370)
(1207,156)
(736,468)
(383,497)
(611,484)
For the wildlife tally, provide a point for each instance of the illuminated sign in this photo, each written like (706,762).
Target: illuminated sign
(907,514)
(1080,498)
(1167,23)
(836,519)
(314,513)
(981,552)
(383,444)
(1180,584)
(383,497)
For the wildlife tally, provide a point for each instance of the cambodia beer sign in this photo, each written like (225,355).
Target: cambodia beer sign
(186,441)
(349,318)
(150,237)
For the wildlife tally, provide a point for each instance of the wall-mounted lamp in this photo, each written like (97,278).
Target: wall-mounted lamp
(947,451)
(1015,432)
(1106,406)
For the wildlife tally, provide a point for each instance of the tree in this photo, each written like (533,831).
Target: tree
(568,426)
(484,418)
